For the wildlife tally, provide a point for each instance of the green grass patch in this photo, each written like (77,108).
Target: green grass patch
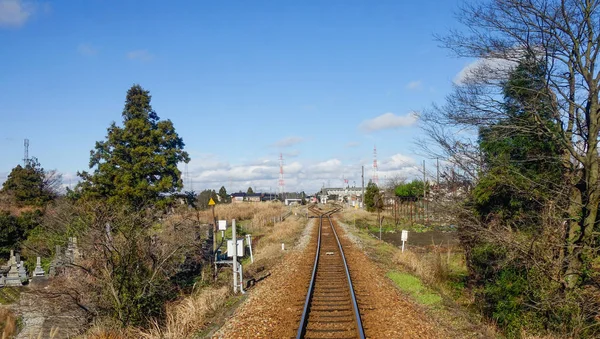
(9,295)
(413,286)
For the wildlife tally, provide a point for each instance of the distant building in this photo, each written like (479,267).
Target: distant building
(238,197)
(334,194)
(254,197)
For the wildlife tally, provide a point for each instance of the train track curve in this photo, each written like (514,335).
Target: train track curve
(330,309)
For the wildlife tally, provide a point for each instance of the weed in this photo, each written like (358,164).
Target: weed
(413,286)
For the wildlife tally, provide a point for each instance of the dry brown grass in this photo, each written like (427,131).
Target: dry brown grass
(269,246)
(259,213)
(433,267)
(188,315)
(8,323)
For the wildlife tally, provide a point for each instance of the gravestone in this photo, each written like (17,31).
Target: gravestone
(72,253)
(22,271)
(57,261)
(12,278)
(39,271)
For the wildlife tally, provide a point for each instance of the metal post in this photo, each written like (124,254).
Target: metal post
(380,220)
(424,195)
(214,247)
(242,279)
(362,197)
(235,272)
(250,245)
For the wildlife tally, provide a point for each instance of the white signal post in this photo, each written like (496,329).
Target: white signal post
(404,238)
(250,246)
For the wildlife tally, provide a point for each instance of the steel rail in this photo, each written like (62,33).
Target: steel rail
(359,326)
(307,303)
(311,287)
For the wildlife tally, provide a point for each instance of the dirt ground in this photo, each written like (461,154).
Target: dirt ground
(48,316)
(274,306)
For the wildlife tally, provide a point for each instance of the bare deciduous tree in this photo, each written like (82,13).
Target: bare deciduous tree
(565,35)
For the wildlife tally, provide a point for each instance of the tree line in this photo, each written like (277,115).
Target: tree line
(523,123)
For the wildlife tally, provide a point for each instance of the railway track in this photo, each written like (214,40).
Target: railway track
(330,309)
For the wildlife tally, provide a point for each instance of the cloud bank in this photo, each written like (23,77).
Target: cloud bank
(14,13)
(388,121)
(288,142)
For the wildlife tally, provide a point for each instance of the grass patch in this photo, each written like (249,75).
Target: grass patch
(413,286)
(9,295)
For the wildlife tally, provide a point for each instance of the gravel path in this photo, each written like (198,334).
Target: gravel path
(385,312)
(274,307)
(46,316)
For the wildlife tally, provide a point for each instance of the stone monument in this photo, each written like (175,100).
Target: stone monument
(12,278)
(39,271)
(22,271)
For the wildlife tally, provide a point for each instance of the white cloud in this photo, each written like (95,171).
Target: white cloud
(287,142)
(329,166)
(15,13)
(388,121)
(492,67)
(140,55)
(208,171)
(291,154)
(87,50)
(352,144)
(398,161)
(415,85)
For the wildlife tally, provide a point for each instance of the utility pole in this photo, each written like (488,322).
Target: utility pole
(424,193)
(235,269)
(211,203)
(438,172)
(362,197)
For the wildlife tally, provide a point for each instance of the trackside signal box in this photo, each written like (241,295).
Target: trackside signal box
(240,248)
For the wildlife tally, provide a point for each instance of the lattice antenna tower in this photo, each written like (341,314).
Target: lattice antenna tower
(281,180)
(375,178)
(189,185)
(26,156)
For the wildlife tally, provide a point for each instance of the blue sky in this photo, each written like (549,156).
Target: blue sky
(321,82)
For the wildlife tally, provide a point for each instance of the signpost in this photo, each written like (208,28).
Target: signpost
(404,238)
(211,203)
(222,227)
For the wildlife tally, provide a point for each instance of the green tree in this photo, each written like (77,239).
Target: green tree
(15,229)
(250,191)
(537,222)
(204,198)
(29,185)
(137,163)
(413,189)
(223,196)
(10,232)
(373,198)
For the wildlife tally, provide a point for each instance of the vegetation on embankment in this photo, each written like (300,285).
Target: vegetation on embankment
(189,315)
(141,265)
(434,277)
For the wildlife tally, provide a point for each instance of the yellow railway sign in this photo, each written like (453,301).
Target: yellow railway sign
(211,202)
